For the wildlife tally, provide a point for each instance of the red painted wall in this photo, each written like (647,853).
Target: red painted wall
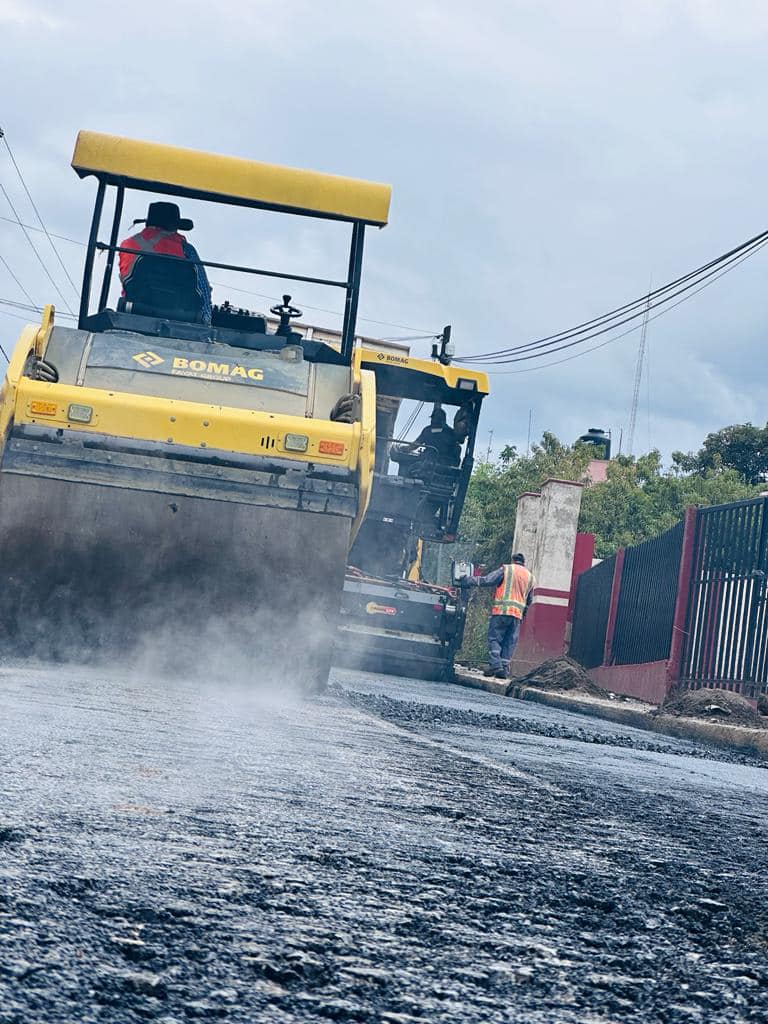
(645,682)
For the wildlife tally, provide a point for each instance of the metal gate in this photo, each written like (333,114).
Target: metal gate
(727,623)
(646,608)
(590,614)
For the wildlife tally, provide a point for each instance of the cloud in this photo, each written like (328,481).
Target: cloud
(547,158)
(24,15)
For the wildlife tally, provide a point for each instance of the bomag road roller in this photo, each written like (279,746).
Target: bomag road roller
(393,619)
(181,480)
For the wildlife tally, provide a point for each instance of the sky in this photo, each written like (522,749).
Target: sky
(548,160)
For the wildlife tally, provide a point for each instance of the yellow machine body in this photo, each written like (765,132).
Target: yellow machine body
(394,620)
(181,487)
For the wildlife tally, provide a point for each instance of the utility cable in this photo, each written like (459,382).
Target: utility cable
(7,266)
(333,312)
(34,248)
(68,276)
(16,316)
(1,347)
(33,308)
(588,329)
(413,337)
(635,303)
(424,336)
(631,330)
(717,268)
(31,227)
(410,422)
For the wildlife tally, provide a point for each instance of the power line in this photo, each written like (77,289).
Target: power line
(321,309)
(610,321)
(415,413)
(550,349)
(635,304)
(631,330)
(32,308)
(261,295)
(422,336)
(34,248)
(21,305)
(31,227)
(1,347)
(412,337)
(16,316)
(4,137)
(7,266)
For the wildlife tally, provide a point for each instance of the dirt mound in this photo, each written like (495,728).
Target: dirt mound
(560,674)
(712,705)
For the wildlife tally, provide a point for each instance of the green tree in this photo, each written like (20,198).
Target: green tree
(640,499)
(742,447)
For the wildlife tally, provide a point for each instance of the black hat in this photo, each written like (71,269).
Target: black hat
(518,559)
(167,216)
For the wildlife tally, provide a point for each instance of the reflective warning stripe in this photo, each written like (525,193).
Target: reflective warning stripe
(166,243)
(512,593)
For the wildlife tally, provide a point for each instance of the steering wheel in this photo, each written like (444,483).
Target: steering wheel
(286,312)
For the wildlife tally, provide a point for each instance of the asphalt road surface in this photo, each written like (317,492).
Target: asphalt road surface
(392,852)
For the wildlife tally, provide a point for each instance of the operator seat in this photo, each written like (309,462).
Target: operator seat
(165,288)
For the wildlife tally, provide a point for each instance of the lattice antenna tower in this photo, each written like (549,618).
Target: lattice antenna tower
(638,379)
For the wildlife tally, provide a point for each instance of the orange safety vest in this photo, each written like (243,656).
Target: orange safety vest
(168,243)
(512,593)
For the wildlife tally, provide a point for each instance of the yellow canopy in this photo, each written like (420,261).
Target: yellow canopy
(188,172)
(411,377)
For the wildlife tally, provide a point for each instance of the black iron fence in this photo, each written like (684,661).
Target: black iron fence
(727,622)
(647,599)
(590,614)
(722,612)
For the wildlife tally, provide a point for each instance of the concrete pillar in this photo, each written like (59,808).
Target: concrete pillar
(551,561)
(526,524)
(559,509)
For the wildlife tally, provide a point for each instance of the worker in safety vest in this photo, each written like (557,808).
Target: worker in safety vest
(514,593)
(161,235)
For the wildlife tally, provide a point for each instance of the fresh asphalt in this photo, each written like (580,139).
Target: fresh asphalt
(393,851)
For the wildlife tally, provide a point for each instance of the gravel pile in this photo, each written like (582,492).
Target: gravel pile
(428,717)
(560,675)
(713,705)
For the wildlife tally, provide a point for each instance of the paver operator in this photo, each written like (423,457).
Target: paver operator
(514,593)
(438,445)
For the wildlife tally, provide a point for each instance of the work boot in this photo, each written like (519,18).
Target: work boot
(488,671)
(500,674)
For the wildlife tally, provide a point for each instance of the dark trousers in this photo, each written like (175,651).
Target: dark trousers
(503,631)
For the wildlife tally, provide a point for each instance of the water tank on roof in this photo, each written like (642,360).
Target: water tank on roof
(600,439)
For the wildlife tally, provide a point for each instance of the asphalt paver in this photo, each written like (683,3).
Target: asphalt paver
(393,851)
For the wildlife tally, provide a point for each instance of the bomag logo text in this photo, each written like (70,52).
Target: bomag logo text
(210,368)
(386,357)
(148,359)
